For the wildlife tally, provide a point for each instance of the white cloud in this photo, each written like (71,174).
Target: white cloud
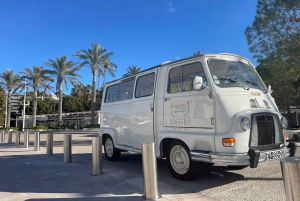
(170,7)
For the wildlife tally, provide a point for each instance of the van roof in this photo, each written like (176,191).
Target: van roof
(179,60)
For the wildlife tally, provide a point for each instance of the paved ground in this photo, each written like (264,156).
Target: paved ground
(29,175)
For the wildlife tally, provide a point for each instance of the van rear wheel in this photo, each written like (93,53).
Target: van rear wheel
(111,153)
(179,161)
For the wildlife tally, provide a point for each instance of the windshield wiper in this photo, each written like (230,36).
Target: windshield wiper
(251,82)
(228,79)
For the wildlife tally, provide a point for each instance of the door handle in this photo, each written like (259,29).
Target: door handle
(166,99)
(151,107)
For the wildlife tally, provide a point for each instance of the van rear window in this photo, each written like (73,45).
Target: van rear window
(119,92)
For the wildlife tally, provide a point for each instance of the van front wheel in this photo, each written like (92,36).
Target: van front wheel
(111,153)
(179,161)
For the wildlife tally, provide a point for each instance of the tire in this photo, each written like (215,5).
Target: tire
(179,161)
(111,153)
(238,167)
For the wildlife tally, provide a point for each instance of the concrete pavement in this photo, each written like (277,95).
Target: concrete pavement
(30,175)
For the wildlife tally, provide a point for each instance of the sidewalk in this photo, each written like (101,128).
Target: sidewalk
(29,175)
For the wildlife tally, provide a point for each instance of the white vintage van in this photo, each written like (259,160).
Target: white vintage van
(206,109)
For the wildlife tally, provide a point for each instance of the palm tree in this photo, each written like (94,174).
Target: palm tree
(131,70)
(99,62)
(63,72)
(37,79)
(197,53)
(11,83)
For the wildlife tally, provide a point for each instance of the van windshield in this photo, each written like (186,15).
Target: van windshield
(234,74)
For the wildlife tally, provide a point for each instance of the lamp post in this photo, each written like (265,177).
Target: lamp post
(5,123)
(24,106)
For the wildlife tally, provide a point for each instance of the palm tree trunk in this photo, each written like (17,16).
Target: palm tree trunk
(34,108)
(8,109)
(93,102)
(60,104)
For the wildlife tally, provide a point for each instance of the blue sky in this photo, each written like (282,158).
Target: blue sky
(142,33)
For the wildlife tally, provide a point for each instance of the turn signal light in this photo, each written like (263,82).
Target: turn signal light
(287,136)
(228,142)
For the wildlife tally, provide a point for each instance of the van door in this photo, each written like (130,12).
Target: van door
(183,106)
(142,109)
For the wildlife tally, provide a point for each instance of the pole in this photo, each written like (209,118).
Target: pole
(26,139)
(17,143)
(290,167)
(9,138)
(49,150)
(68,149)
(5,110)
(24,106)
(37,141)
(3,136)
(150,172)
(97,155)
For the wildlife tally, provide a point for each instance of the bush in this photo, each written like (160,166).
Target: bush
(61,127)
(38,127)
(91,126)
(10,128)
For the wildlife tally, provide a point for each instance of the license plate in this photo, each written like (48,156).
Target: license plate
(273,155)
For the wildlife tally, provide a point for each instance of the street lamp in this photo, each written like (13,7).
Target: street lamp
(5,123)
(24,106)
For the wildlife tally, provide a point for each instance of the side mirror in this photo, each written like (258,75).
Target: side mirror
(269,89)
(197,83)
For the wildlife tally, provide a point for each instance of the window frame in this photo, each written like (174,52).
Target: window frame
(181,79)
(136,83)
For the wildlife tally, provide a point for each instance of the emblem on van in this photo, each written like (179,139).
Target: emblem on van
(180,108)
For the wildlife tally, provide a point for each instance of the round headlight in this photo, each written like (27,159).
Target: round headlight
(284,122)
(245,124)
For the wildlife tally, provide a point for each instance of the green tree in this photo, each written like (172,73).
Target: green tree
(84,93)
(130,70)
(274,38)
(197,53)
(99,62)
(38,79)
(63,71)
(73,104)
(11,83)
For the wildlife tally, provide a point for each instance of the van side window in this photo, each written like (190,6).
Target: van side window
(112,93)
(175,82)
(181,78)
(126,90)
(145,85)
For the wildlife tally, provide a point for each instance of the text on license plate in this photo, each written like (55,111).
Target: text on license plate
(272,155)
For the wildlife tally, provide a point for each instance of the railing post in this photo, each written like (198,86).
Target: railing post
(17,143)
(49,150)
(9,138)
(150,172)
(97,155)
(37,141)
(3,136)
(290,167)
(68,149)
(26,139)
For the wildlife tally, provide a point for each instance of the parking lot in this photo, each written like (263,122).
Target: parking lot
(29,175)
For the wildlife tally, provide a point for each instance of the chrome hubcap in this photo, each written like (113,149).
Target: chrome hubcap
(179,159)
(109,147)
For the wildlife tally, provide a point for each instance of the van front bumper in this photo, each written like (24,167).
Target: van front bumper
(252,158)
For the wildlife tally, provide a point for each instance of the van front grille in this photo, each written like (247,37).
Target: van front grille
(266,132)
